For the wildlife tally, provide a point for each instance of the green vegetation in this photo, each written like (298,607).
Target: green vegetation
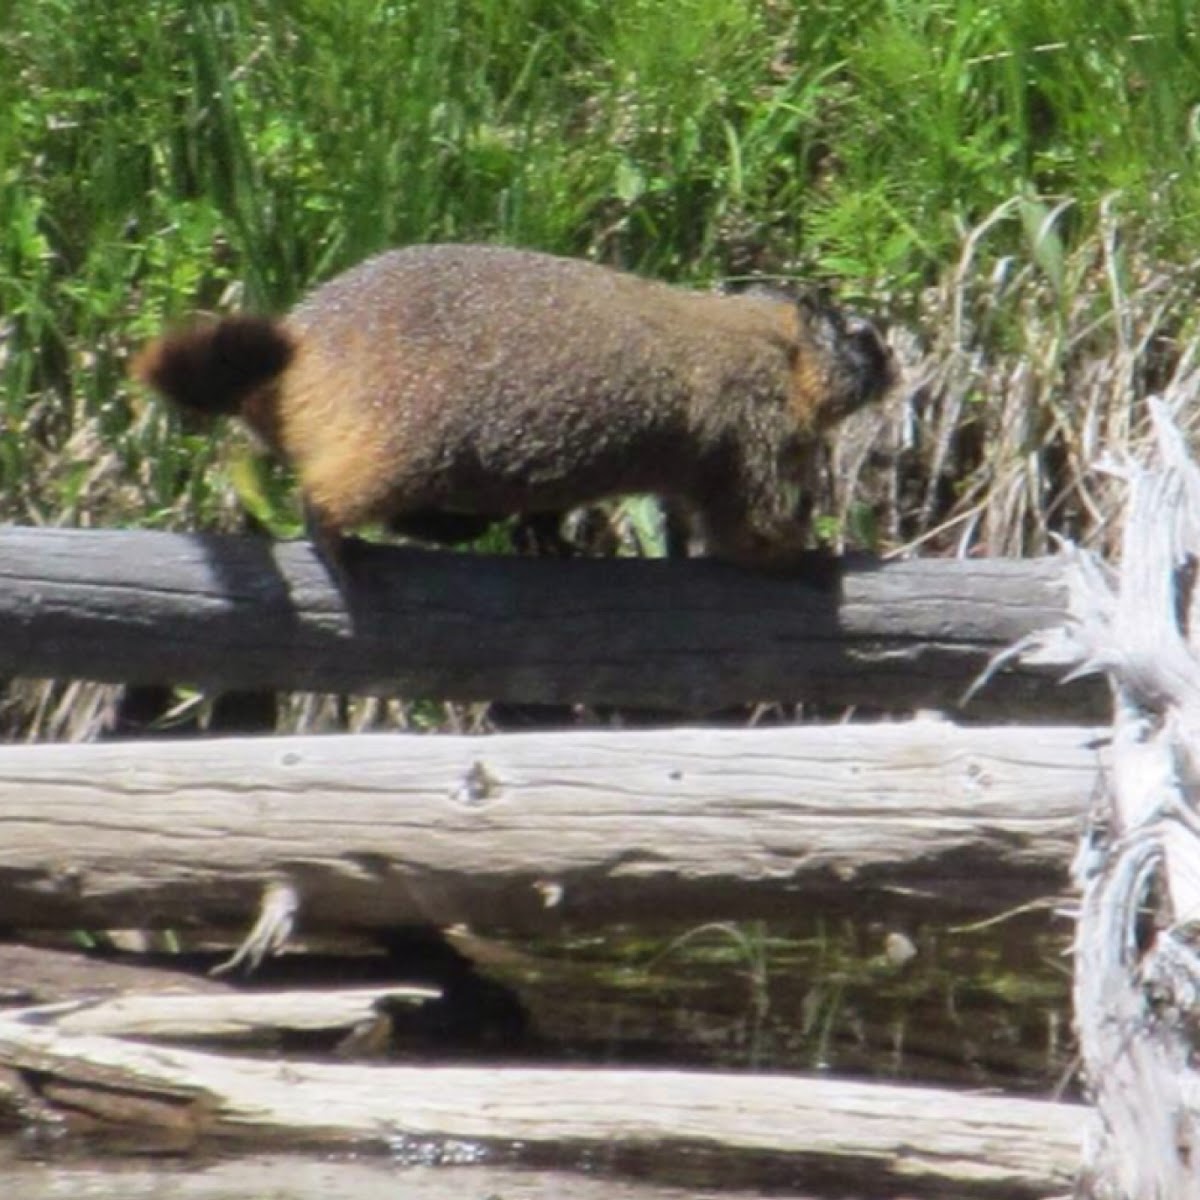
(987,1006)
(1014,183)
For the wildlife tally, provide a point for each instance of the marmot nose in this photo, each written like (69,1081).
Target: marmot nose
(863,330)
(876,358)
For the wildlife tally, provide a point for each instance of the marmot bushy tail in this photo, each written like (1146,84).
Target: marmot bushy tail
(214,368)
(444,387)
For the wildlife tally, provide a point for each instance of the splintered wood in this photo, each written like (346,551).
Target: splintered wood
(1137,947)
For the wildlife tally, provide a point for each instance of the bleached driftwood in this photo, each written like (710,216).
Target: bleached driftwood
(869,1137)
(529,831)
(1137,970)
(235,1016)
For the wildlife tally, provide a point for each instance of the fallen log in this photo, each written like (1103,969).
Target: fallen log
(135,606)
(866,1137)
(536,831)
(231,1017)
(35,975)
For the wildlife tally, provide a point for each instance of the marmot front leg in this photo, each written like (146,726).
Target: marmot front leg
(758,513)
(739,535)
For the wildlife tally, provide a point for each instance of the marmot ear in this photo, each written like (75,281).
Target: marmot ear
(820,316)
(815,301)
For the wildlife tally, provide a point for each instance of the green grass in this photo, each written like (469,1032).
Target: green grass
(1014,183)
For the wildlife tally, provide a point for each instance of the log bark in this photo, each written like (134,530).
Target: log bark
(534,832)
(241,613)
(866,1137)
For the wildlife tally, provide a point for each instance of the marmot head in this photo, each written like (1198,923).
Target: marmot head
(843,358)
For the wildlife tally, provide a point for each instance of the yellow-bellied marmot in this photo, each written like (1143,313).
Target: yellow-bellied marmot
(439,388)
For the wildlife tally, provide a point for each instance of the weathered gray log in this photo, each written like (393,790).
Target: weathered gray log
(531,831)
(871,1139)
(226,613)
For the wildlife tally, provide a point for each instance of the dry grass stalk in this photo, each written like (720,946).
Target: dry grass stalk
(1014,384)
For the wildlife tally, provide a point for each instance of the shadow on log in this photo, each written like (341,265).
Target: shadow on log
(686,636)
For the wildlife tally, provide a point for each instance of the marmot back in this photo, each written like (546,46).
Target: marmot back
(464,384)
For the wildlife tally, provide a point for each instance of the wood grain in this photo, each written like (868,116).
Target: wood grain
(537,831)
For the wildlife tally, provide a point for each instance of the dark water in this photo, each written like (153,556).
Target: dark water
(899,998)
(298,1178)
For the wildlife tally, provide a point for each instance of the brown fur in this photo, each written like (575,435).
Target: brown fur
(444,380)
